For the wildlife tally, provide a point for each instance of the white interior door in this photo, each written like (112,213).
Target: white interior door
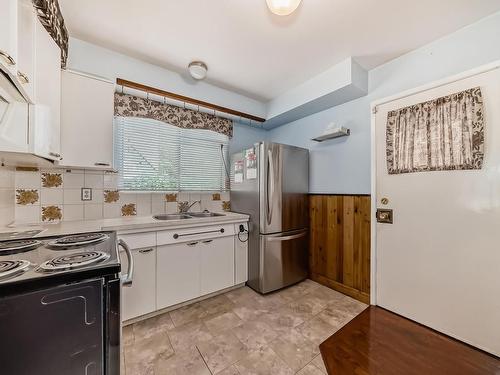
(439,262)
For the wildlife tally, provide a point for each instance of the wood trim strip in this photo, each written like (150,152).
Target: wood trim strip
(339,287)
(186,99)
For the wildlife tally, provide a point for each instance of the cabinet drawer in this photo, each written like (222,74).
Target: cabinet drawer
(174,236)
(139,240)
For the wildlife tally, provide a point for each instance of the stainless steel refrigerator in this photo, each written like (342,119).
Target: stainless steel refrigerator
(270,182)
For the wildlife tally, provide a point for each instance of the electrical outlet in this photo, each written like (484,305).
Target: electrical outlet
(86,194)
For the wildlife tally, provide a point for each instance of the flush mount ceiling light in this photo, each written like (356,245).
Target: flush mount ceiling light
(283,7)
(198,70)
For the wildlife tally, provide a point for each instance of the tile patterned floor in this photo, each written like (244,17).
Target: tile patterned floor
(240,333)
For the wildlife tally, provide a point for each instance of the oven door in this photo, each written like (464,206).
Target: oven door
(14,118)
(56,331)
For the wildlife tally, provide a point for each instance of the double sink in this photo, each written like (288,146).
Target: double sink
(187,215)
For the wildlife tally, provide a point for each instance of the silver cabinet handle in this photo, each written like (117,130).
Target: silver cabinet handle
(145,251)
(7,58)
(270,190)
(288,238)
(23,77)
(99,164)
(127,278)
(192,243)
(55,154)
(207,241)
(177,235)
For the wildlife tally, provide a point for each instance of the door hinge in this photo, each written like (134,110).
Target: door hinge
(375,110)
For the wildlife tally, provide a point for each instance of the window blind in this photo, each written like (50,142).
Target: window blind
(151,155)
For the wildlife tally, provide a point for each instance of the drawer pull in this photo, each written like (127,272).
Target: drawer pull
(23,77)
(207,241)
(99,164)
(144,251)
(192,243)
(176,235)
(55,154)
(7,58)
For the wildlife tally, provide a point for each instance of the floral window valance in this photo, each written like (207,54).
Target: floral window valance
(134,106)
(51,18)
(442,134)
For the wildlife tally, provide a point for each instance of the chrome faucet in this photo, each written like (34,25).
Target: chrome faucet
(184,207)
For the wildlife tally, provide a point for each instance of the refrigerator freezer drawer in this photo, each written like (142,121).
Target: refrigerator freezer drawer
(284,259)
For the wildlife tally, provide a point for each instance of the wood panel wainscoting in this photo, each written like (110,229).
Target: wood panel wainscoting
(339,243)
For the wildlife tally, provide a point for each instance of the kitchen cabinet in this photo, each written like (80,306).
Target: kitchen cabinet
(216,264)
(140,298)
(87,108)
(177,273)
(8,35)
(241,254)
(26,47)
(46,112)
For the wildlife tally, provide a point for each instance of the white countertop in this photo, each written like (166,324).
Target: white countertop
(130,224)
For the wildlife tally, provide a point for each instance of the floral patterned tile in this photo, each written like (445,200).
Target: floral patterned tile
(111,196)
(27,196)
(129,209)
(52,180)
(52,213)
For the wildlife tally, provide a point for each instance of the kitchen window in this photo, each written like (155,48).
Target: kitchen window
(151,155)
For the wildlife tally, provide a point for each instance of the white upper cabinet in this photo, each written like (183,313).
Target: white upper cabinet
(8,35)
(25,47)
(86,121)
(46,111)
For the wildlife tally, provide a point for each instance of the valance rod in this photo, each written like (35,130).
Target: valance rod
(186,99)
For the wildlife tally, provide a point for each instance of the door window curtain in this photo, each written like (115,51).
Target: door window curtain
(134,106)
(441,134)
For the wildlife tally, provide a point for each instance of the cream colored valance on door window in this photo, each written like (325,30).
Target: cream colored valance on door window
(134,106)
(442,134)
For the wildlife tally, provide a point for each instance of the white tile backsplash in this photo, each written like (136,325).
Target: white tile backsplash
(72,196)
(73,212)
(68,197)
(94,181)
(73,180)
(51,196)
(93,211)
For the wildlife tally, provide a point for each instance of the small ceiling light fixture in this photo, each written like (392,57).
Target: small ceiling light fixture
(198,70)
(283,7)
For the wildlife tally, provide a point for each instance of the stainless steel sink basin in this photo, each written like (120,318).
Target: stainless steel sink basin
(171,217)
(204,214)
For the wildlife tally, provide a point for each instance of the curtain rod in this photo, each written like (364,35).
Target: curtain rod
(186,99)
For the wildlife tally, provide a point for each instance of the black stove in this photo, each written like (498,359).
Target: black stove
(47,259)
(60,304)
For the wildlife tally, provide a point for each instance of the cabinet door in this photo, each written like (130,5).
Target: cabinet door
(26,46)
(87,106)
(8,35)
(140,298)
(217,264)
(177,273)
(46,117)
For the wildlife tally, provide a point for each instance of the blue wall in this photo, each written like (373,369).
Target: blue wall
(342,166)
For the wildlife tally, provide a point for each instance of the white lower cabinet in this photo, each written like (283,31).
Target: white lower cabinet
(140,298)
(216,264)
(176,266)
(177,273)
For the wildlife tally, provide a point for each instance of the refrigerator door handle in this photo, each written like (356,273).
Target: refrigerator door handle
(288,238)
(270,186)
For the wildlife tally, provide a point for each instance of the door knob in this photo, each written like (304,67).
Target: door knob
(384,216)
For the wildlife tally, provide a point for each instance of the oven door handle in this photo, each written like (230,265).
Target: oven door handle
(127,278)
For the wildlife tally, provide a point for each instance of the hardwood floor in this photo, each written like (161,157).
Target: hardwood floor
(380,342)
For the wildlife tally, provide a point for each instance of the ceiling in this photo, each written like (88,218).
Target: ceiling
(255,53)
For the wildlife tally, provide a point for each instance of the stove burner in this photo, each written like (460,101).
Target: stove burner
(18,246)
(74,260)
(78,240)
(11,267)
